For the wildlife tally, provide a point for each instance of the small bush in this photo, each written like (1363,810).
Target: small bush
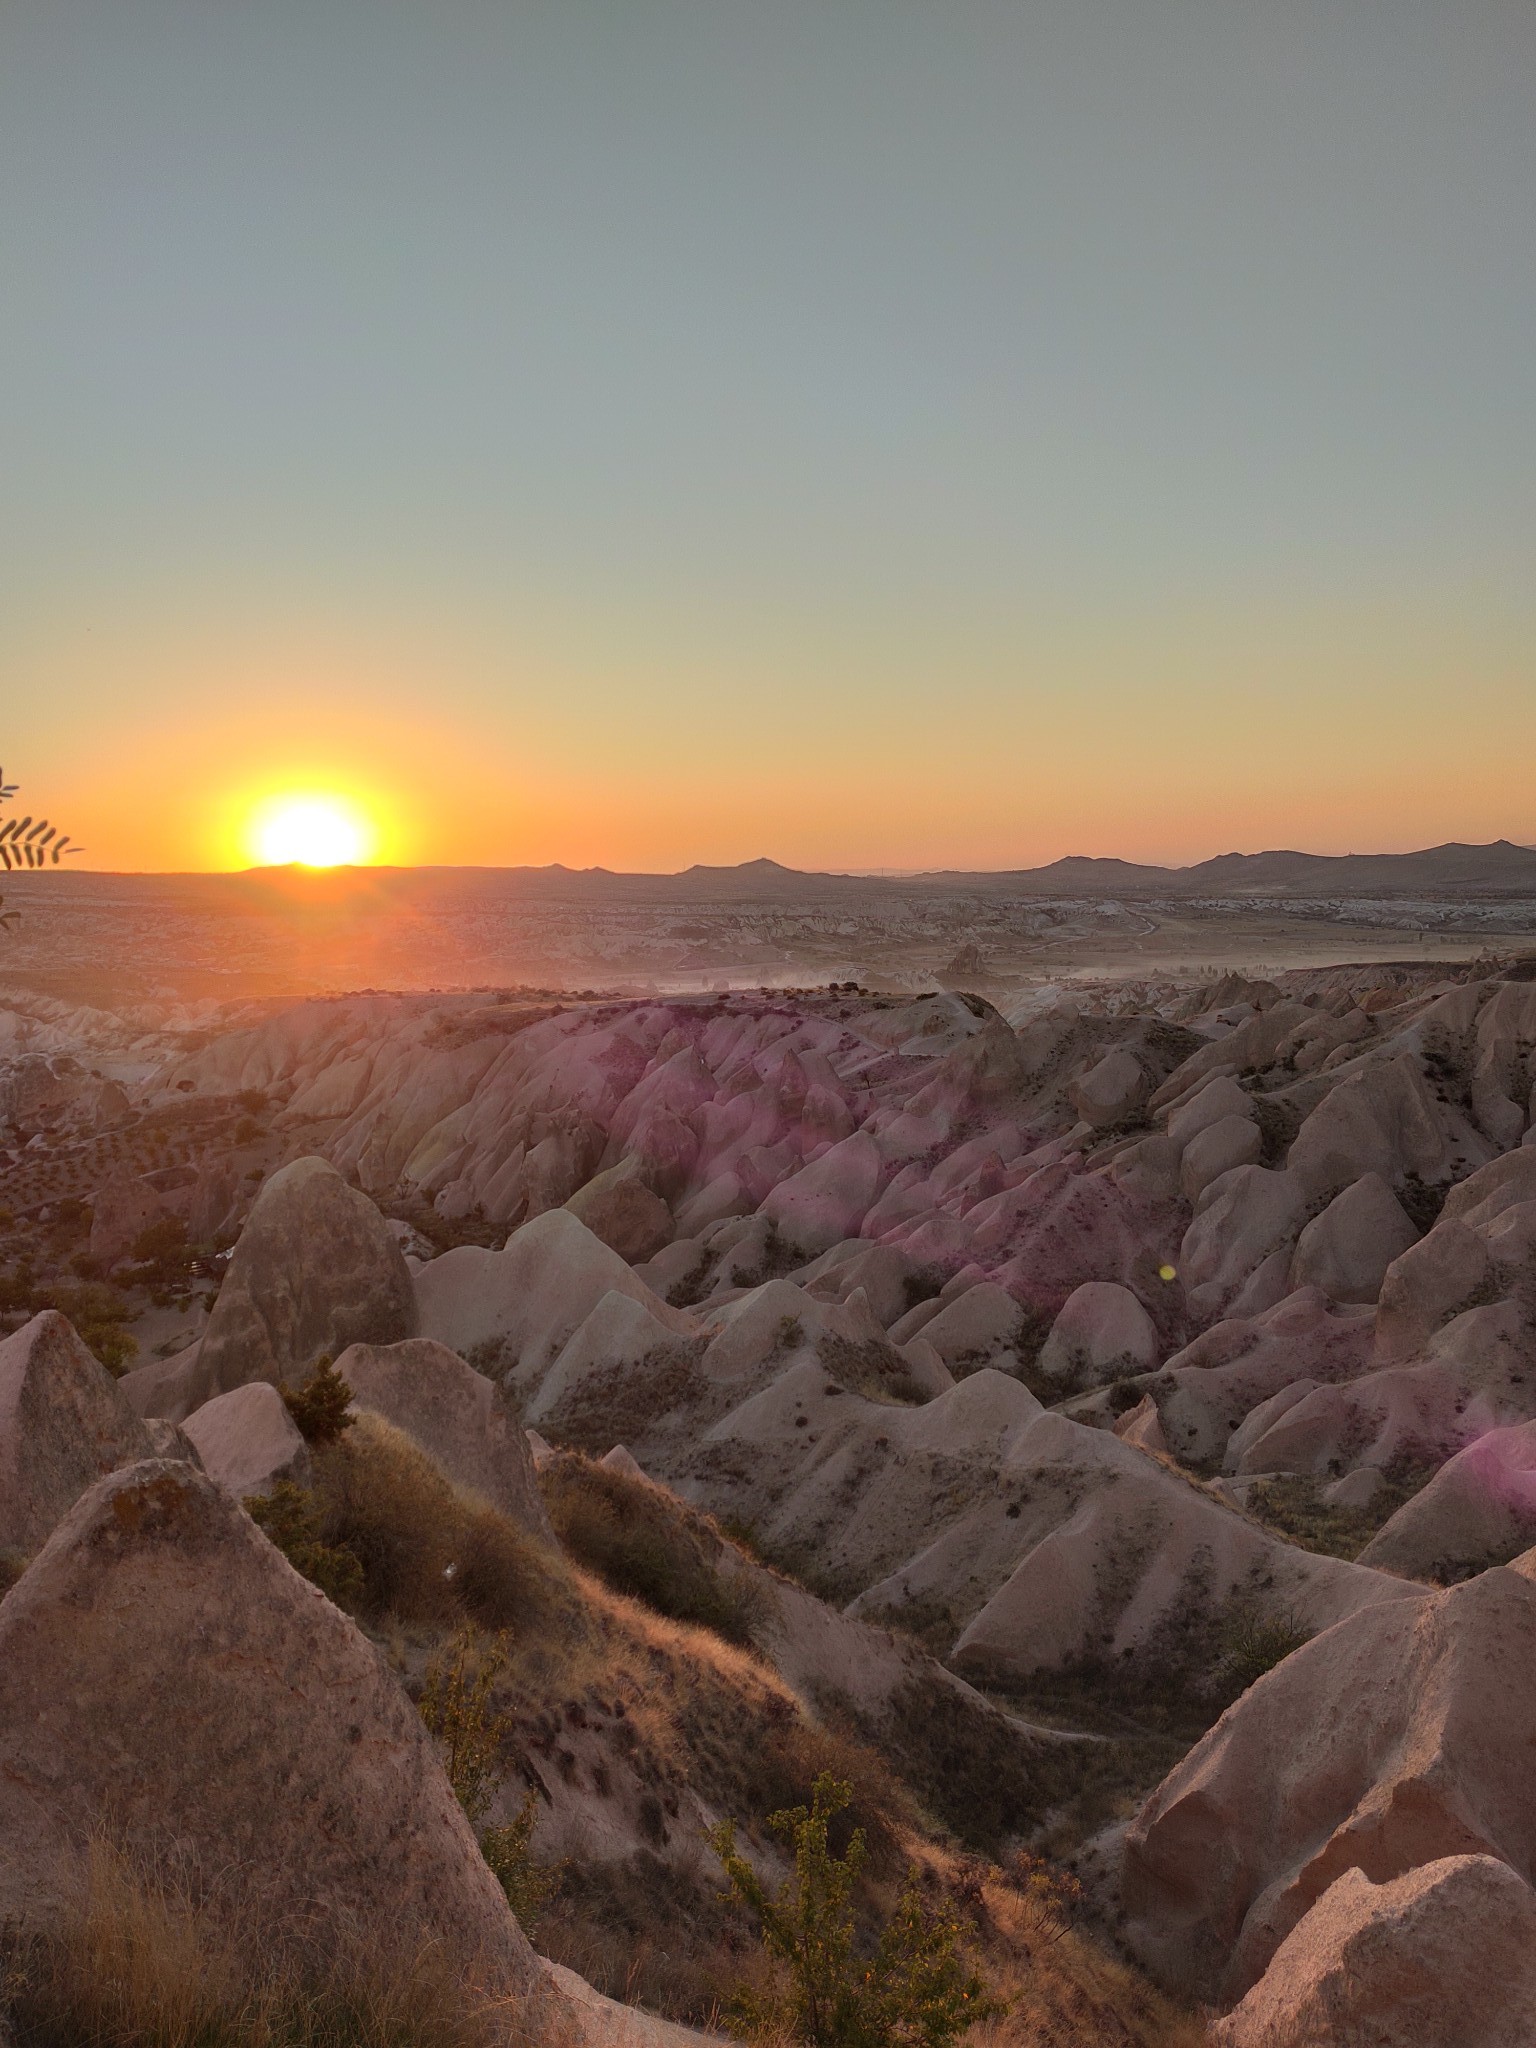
(915,1990)
(1255,1643)
(384,1534)
(163,1260)
(319,1408)
(98,1312)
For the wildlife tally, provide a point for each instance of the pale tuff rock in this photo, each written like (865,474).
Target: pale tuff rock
(624,1213)
(515,1310)
(1442,1957)
(247,1440)
(1396,1738)
(1216,1149)
(1103,1333)
(456,1415)
(315,1269)
(1347,1250)
(1478,1510)
(161,1663)
(63,1423)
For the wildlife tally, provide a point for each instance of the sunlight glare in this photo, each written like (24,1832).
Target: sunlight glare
(314,832)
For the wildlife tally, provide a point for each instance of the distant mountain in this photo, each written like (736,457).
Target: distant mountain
(1500,869)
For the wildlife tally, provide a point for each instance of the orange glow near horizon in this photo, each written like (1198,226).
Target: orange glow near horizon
(312,832)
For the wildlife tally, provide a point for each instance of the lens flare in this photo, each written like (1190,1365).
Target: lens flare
(312,832)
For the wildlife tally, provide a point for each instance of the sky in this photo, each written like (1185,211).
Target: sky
(871,433)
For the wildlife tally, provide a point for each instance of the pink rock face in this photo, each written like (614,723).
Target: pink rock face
(1479,1509)
(818,1207)
(161,1663)
(315,1269)
(1399,1736)
(1442,1957)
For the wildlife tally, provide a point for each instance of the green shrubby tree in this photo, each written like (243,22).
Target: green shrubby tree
(915,1990)
(320,1407)
(457,1705)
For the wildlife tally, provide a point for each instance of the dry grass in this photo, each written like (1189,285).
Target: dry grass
(641,1540)
(431,1556)
(1061,1989)
(135,1961)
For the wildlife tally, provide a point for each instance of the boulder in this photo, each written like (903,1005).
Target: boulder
(1347,1249)
(621,1374)
(1427,1284)
(1399,1736)
(247,1440)
(1102,1333)
(1478,1510)
(162,1663)
(621,1210)
(63,1423)
(1383,1120)
(1111,1090)
(974,1328)
(1217,1102)
(1442,1957)
(121,1210)
(1215,1150)
(1475,1374)
(829,1199)
(1207,1390)
(315,1269)
(1242,1218)
(456,1415)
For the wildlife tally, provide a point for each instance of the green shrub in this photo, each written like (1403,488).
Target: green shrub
(387,1531)
(457,1705)
(915,1990)
(319,1408)
(290,1518)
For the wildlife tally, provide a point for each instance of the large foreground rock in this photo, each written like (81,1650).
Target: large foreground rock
(1442,1957)
(63,1423)
(1402,1735)
(315,1269)
(165,1671)
(456,1415)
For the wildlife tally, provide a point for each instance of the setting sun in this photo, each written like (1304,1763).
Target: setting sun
(315,832)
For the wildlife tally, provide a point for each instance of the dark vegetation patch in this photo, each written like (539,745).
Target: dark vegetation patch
(874,1368)
(644,1542)
(1294,1507)
(1278,1120)
(624,1403)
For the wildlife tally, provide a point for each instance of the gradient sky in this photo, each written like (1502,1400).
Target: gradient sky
(863,432)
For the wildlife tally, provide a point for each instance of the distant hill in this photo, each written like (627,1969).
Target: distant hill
(1501,869)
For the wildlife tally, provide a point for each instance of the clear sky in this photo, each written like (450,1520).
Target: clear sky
(864,432)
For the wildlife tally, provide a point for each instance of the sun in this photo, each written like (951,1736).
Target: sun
(312,831)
